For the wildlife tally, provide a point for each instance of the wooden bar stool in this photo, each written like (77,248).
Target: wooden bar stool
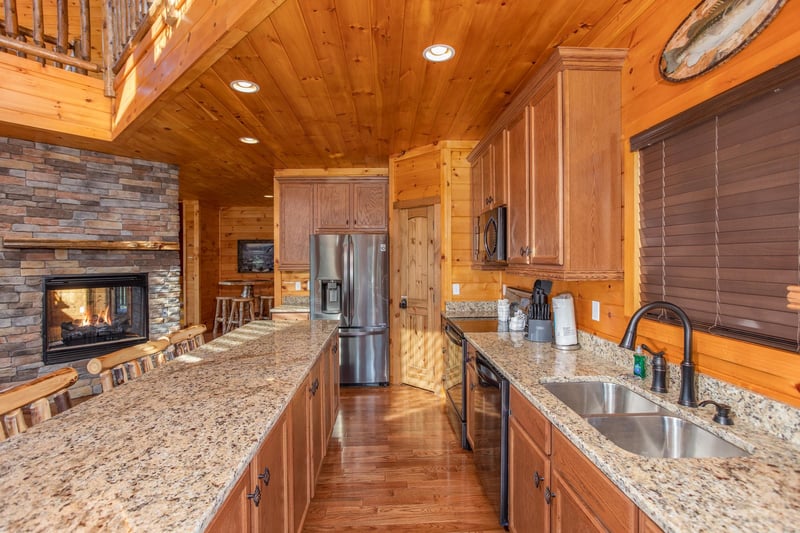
(264,302)
(128,363)
(242,312)
(35,394)
(224,304)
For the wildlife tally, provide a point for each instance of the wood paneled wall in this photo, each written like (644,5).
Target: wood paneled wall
(242,223)
(646,101)
(208,255)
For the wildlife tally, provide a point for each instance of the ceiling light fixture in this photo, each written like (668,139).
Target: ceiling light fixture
(269,196)
(245,86)
(248,140)
(439,52)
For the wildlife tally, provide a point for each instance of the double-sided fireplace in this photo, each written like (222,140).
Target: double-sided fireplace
(87,316)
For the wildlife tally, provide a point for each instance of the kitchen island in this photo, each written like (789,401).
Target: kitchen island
(760,492)
(160,453)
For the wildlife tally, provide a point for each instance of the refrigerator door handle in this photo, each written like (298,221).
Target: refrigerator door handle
(362,332)
(349,272)
(347,284)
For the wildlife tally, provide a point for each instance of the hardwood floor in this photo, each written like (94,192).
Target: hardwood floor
(394,463)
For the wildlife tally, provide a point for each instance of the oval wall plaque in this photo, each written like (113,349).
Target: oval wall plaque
(713,32)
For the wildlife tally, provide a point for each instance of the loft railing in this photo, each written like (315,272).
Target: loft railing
(125,23)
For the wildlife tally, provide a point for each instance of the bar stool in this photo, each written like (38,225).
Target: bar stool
(264,301)
(224,303)
(240,309)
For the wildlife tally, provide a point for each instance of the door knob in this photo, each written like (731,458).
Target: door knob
(403,302)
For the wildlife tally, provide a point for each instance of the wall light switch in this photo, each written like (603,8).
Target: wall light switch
(298,285)
(456,289)
(595,310)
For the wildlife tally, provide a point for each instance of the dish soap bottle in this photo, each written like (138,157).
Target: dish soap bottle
(639,363)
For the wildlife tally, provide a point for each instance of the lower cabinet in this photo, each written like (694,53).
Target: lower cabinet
(554,487)
(259,501)
(274,493)
(472,382)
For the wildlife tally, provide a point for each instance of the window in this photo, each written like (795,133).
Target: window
(720,210)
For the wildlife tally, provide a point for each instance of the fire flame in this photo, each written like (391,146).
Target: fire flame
(90,319)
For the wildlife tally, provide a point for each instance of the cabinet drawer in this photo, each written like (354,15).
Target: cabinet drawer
(609,505)
(532,421)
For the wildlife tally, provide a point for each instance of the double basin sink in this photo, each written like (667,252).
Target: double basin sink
(638,425)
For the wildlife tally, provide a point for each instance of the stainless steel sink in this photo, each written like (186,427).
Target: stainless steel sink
(663,436)
(597,397)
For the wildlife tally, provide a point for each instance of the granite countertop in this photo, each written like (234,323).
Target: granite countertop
(162,452)
(760,492)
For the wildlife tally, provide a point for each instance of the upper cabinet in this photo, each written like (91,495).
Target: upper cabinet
(309,206)
(350,207)
(562,150)
(294,221)
(490,168)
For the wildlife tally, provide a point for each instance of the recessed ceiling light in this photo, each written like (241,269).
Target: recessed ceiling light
(439,52)
(248,140)
(244,86)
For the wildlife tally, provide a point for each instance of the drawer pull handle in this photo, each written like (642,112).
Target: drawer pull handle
(255,496)
(264,476)
(549,495)
(537,479)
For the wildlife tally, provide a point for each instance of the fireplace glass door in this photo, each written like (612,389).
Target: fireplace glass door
(87,316)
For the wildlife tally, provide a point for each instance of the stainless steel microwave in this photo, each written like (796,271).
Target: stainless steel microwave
(492,235)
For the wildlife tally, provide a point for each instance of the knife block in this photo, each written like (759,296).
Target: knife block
(540,330)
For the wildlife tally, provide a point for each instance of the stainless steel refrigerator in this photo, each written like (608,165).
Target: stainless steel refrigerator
(350,283)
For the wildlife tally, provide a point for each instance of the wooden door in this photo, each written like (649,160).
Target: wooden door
(235,513)
(499,170)
(519,190)
(476,191)
(369,206)
(420,339)
(300,455)
(547,216)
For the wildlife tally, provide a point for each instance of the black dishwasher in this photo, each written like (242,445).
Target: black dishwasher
(491,434)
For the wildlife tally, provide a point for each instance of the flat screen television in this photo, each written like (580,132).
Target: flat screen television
(256,256)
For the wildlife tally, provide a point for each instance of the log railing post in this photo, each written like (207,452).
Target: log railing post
(62,33)
(108,48)
(38,27)
(12,23)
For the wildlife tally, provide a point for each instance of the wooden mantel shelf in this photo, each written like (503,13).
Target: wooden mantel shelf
(16,242)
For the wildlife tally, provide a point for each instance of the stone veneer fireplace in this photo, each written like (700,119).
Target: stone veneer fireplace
(51,195)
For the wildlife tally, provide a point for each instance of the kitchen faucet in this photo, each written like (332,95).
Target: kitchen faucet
(687,395)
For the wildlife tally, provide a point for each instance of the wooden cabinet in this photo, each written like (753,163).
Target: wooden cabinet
(519,175)
(490,170)
(563,164)
(317,434)
(528,466)
(259,502)
(331,378)
(583,497)
(295,208)
(554,487)
(350,206)
(288,315)
(300,453)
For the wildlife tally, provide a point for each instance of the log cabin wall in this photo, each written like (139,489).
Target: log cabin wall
(646,101)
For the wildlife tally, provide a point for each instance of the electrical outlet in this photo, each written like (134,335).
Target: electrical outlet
(298,285)
(456,289)
(595,310)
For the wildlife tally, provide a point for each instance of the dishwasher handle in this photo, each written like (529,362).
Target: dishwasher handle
(487,377)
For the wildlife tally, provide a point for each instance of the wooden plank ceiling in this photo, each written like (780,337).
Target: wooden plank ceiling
(343,84)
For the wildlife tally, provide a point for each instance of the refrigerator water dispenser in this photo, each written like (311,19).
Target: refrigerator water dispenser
(332,300)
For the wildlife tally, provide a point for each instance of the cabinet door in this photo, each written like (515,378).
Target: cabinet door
(269,473)
(234,515)
(331,378)
(370,207)
(476,192)
(487,174)
(528,477)
(584,494)
(569,513)
(499,188)
(316,392)
(519,245)
(547,184)
(295,225)
(331,207)
(301,456)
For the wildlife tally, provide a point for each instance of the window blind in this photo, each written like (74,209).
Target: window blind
(720,217)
